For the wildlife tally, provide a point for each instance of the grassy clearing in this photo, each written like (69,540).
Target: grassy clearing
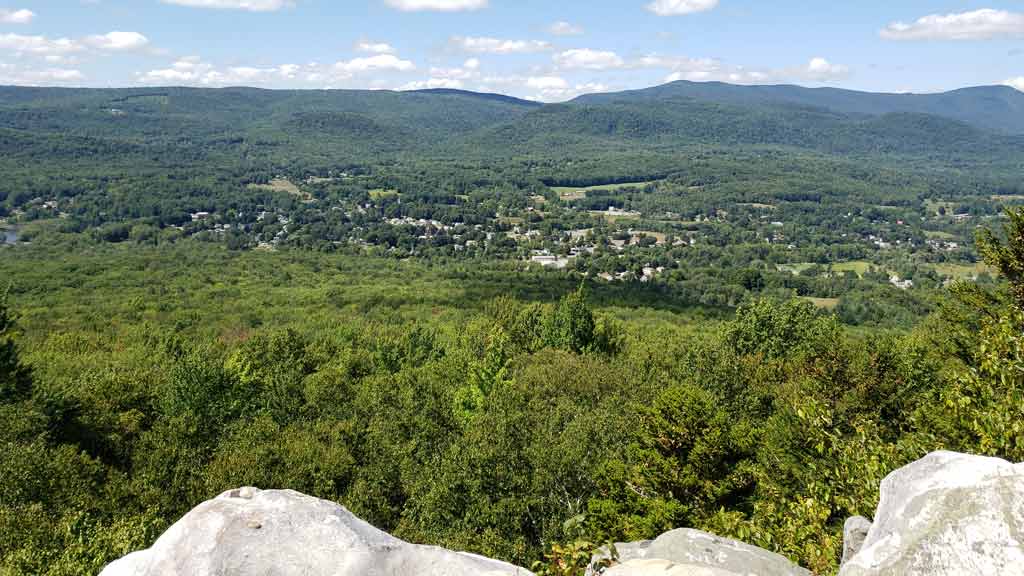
(824,303)
(939,235)
(961,271)
(659,236)
(615,217)
(569,193)
(934,206)
(283,185)
(858,267)
(794,268)
(380,193)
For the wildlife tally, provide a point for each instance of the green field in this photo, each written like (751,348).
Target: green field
(580,192)
(824,303)
(933,206)
(858,267)
(961,271)
(379,193)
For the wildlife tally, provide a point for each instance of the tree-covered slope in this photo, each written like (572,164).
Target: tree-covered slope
(995,108)
(276,126)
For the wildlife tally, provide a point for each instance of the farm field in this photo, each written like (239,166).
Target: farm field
(569,193)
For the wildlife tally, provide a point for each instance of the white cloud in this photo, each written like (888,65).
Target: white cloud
(448,77)
(434,83)
(375,47)
(16,16)
(117,41)
(547,83)
(587,59)
(183,71)
(483,45)
(1017,83)
(193,71)
(378,62)
(437,5)
(250,5)
(821,70)
(681,7)
(289,71)
(709,69)
(56,49)
(982,24)
(34,76)
(565,29)
(39,45)
(556,88)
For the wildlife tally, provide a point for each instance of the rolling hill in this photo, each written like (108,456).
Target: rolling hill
(994,108)
(976,126)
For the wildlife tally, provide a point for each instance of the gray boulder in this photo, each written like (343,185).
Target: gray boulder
(855,531)
(283,533)
(947,514)
(692,552)
(666,568)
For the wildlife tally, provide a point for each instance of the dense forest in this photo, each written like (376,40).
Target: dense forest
(496,326)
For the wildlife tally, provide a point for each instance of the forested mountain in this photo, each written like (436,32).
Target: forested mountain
(950,128)
(996,108)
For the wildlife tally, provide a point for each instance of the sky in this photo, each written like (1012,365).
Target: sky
(550,50)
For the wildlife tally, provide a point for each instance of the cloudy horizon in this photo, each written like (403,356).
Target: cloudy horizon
(528,48)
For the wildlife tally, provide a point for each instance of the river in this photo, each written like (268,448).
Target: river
(10,235)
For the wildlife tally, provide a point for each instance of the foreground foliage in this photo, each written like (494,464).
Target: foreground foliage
(512,428)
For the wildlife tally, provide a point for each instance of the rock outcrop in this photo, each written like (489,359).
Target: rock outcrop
(855,532)
(250,532)
(692,552)
(947,514)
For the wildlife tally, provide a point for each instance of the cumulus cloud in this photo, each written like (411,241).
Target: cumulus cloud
(484,45)
(1017,83)
(193,71)
(545,88)
(982,24)
(587,59)
(374,47)
(17,75)
(437,5)
(22,16)
(39,45)
(822,70)
(709,69)
(681,7)
(183,71)
(56,49)
(117,41)
(556,88)
(448,77)
(372,63)
(565,29)
(434,83)
(249,5)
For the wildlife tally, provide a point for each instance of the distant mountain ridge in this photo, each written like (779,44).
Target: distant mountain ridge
(979,126)
(993,108)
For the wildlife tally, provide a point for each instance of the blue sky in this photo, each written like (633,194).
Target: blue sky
(542,49)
